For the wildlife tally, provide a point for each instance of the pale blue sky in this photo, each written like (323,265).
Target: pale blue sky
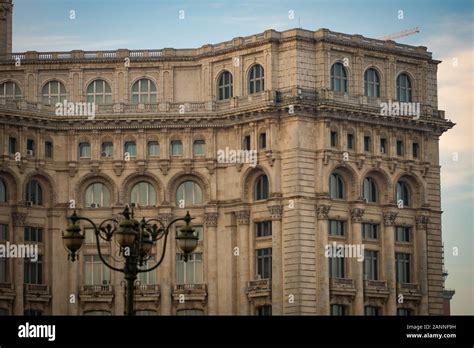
(446,29)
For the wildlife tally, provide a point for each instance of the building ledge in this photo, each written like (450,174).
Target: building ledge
(259,288)
(376,288)
(342,286)
(96,293)
(189,292)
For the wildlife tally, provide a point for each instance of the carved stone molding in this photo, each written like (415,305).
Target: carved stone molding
(164,166)
(389,218)
(276,211)
(422,222)
(210,219)
(18,219)
(165,218)
(356,214)
(243,217)
(323,210)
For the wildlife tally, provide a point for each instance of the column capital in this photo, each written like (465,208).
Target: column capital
(210,219)
(18,219)
(165,218)
(422,222)
(322,210)
(389,218)
(276,211)
(356,214)
(243,217)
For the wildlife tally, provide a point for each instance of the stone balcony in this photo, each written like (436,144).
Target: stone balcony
(410,291)
(259,288)
(7,291)
(189,292)
(376,288)
(342,287)
(37,292)
(147,293)
(96,293)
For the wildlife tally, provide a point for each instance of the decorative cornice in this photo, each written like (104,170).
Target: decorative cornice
(323,210)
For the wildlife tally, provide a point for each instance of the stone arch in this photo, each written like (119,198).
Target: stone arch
(383,182)
(15,81)
(46,182)
(11,181)
(177,179)
(89,179)
(133,179)
(247,183)
(416,187)
(350,177)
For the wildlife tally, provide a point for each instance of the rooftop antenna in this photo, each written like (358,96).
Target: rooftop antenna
(401,34)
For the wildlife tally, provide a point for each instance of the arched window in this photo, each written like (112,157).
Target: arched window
(144,92)
(34,192)
(256,79)
(403,88)
(10,90)
(369,190)
(261,188)
(99,92)
(153,148)
(338,78)
(403,194)
(97,195)
(188,193)
(336,186)
(130,148)
(372,83)
(176,148)
(3,192)
(53,92)
(225,86)
(144,194)
(199,147)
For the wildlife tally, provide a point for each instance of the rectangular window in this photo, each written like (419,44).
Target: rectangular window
(130,147)
(264,263)
(370,231)
(336,267)
(336,227)
(262,141)
(399,148)
(48,149)
(153,148)
(402,234)
(84,150)
(263,228)
(3,270)
(337,309)
(404,312)
(30,146)
(350,141)
(107,149)
(95,272)
(33,272)
(190,272)
(32,313)
(12,148)
(148,278)
(383,145)
(403,262)
(247,142)
(366,143)
(371,268)
(371,310)
(90,238)
(3,232)
(199,148)
(264,310)
(333,139)
(33,234)
(176,148)
(415,150)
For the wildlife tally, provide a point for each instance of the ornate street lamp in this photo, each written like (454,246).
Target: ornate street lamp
(136,240)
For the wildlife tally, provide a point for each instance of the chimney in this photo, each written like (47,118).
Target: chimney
(6,11)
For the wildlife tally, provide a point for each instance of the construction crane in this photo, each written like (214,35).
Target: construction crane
(401,34)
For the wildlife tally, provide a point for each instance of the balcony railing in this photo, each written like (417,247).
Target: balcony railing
(6,287)
(376,284)
(259,288)
(147,288)
(408,287)
(190,287)
(190,292)
(342,283)
(102,289)
(37,288)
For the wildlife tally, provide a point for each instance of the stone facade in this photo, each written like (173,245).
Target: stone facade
(297,111)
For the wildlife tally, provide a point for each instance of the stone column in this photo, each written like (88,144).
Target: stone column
(277,260)
(422,260)
(358,266)
(323,298)
(18,221)
(389,257)
(167,277)
(243,218)
(210,240)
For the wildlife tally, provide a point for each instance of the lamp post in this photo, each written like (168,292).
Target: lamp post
(136,240)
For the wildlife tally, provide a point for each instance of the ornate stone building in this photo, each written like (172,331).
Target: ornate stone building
(330,168)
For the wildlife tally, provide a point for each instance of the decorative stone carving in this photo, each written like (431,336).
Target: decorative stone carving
(271,157)
(243,217)
(210,219)
(389,218)
(164,166)
(165,218)
(18,219)
(276,211)
(422,221)
(356,214)
(118,167)
(323,211)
